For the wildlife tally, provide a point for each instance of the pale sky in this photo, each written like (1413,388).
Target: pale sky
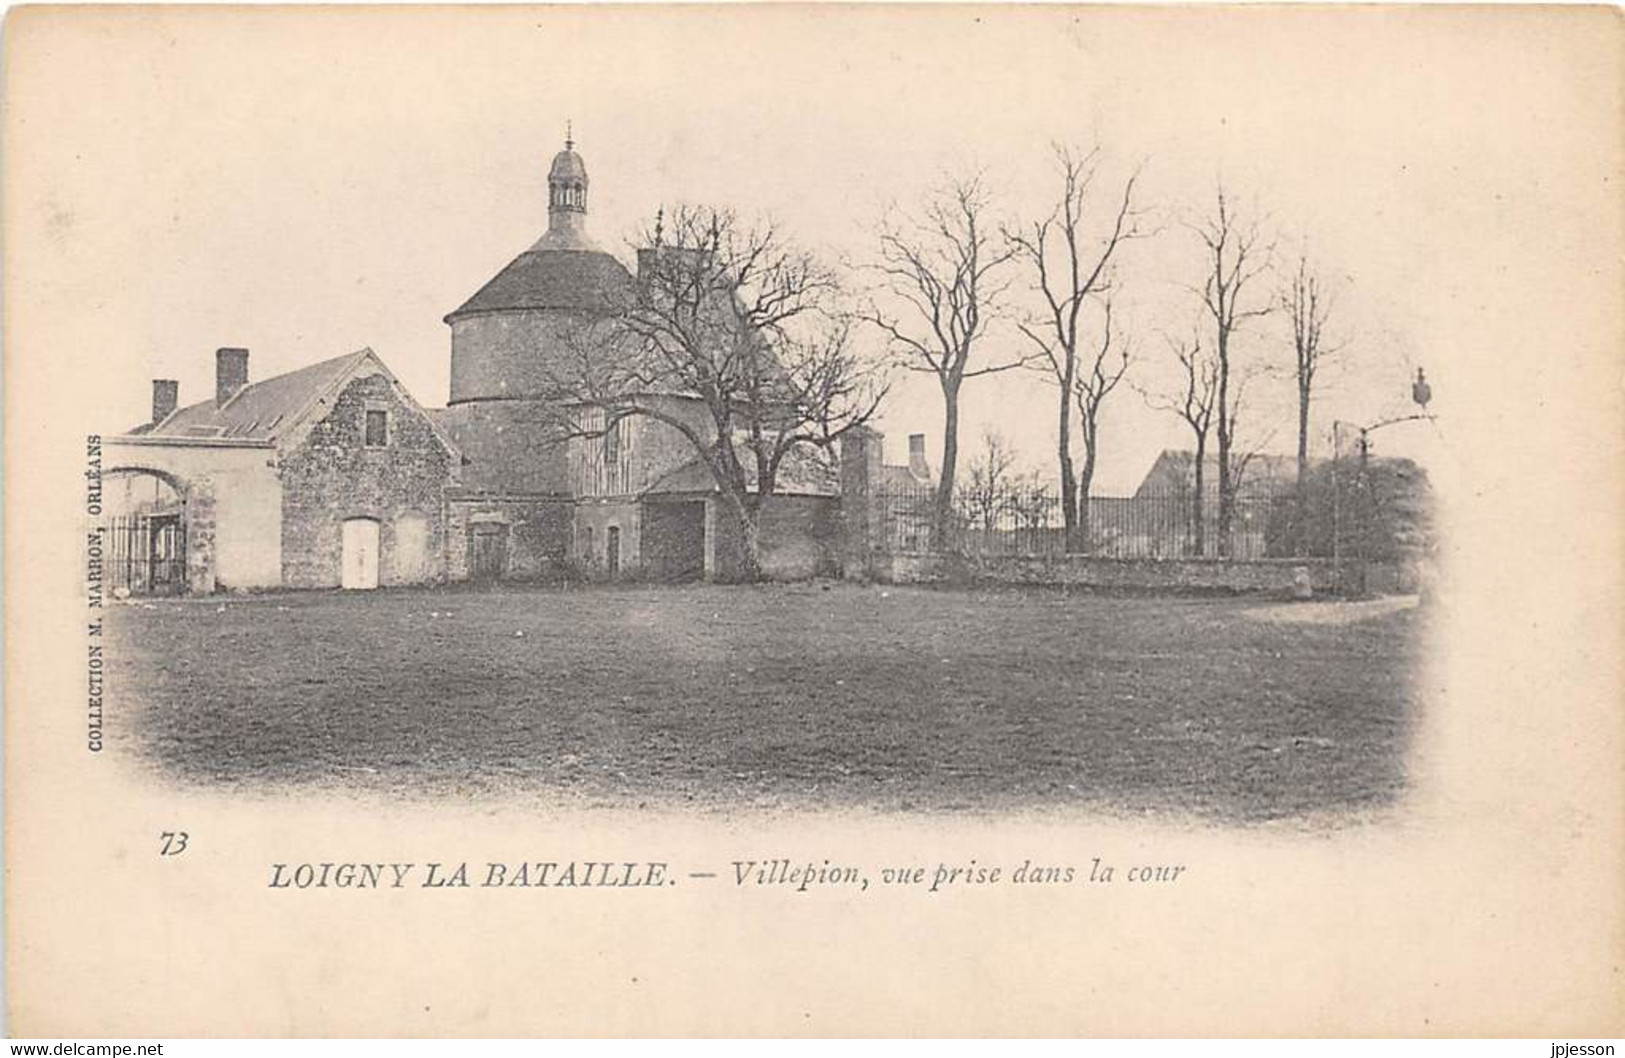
(306,183)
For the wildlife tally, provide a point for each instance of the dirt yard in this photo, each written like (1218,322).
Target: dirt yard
(888,699)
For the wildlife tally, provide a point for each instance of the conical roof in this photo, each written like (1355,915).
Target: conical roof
(578,280)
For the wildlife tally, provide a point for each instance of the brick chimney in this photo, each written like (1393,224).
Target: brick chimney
(230,373)
(918,465)
(166,393)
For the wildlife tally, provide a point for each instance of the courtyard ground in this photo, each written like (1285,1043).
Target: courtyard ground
(790,696)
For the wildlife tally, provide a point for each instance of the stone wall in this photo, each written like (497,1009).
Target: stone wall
(536,531)
(593,520)
(1273,576)
(800,537)
(862,468)
(332,476)
(510,446)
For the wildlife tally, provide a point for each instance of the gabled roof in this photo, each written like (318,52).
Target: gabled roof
(268,411)
(260,411)
(553,279)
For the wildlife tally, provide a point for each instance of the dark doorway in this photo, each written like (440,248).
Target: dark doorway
(612,550)
(674,540)
(488,550)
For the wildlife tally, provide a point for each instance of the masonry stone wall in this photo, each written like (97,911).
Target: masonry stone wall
(332,475)
(511,446)
(536,531)
(800,537)
(1274,576)
(593,520)
(862,468)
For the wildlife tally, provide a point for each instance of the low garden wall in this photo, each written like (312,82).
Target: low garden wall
(1273,576)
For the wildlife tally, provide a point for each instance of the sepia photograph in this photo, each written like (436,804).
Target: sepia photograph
(640,531)
(1115,466)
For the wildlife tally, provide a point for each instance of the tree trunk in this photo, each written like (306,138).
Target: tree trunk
(1302,498)
(748,515)
(1069,479)
(1226,424)
(1086,540)
(1226,494)
(750,546)
(943,520)
(1199,506)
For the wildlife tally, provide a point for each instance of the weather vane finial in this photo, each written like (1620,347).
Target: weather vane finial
(569,135)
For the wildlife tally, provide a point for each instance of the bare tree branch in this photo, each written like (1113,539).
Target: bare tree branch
(942,277)
(1237,253)
(733,339)
(1071,268)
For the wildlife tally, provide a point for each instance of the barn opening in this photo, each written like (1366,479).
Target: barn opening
(674,540)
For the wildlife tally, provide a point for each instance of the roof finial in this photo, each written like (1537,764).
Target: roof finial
(569,135)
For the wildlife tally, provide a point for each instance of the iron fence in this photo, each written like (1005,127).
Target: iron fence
(1156,525)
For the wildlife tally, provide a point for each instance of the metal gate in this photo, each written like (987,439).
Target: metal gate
(148,554)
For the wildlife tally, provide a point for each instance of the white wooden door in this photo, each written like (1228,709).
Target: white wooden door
(359,568)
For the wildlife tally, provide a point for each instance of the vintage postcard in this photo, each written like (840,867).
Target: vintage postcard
(814,520)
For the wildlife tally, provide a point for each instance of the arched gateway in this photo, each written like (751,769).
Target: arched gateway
(160,532)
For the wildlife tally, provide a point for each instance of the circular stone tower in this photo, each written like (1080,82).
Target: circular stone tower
(503,338)
(505,332)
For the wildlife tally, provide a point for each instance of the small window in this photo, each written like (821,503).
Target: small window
(377,428)
(612,443)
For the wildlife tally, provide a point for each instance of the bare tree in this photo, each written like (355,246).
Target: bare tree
(1071,267)
(1194,402)
(1032,503)
(986,491)
(1090,389)
(1236,255)
(942,271)
(1308,305)
(741,327)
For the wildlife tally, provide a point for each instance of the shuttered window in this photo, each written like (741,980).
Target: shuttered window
(377,428)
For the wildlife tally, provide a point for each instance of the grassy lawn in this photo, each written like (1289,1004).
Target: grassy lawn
(885,698)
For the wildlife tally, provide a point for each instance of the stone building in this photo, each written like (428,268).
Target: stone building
(333,475)
(328,476)
(537,498)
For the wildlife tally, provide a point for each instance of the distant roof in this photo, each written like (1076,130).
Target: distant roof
(904,477)
(552,279)
(259,411)
(1176,465)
